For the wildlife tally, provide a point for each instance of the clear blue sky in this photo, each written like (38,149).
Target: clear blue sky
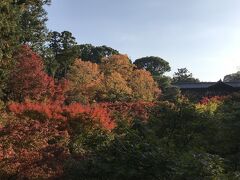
(202,35)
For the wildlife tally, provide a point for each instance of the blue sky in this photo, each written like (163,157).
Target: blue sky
(202,35)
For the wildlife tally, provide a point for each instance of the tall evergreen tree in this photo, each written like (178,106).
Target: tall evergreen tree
(33,23)
(94,54)
(183,75)
(63,51)
(8,28)
(9,36)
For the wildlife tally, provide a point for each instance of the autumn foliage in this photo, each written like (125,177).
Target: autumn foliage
(135,110)
(28,79)
(47,122)
(55,111)
(143,86)
(90,113)
(115,80)
(32,149)
(207,100)
(84,81)
(36,137)
(117,63)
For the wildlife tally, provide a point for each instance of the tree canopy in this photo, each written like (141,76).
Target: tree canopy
(155,65)
(84,81)
(28,79)
(232,77)
(9,35)
(183,75)
(61,54)
(94,54)
(33,29)
(115,79)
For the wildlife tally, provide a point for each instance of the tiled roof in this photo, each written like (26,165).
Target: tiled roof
(194,85)
(235,84)
(204,85)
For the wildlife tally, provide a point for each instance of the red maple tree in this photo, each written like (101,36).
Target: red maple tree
(28,79)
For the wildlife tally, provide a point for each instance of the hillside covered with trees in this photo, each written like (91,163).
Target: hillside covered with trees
(79,111)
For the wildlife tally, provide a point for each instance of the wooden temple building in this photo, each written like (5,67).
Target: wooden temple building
(208,89)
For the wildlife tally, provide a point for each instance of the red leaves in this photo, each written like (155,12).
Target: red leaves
(28,79)
(35,141)
(55,111)
(41,110)
(41,131)
(206,100)
(96,113)
(135,109)
(33,149)
(100,114)
(73,110)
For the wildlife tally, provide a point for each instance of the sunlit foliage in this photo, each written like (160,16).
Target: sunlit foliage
(84,81)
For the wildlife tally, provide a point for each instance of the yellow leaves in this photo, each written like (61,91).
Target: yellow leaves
(115,79)
(115,88)
(209,105)
(117,63)
(84,80)
(143,86)
(84,72)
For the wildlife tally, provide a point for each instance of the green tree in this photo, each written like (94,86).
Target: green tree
(228,132)
(169,92)
(9,17)
(62,53)
(131,154)
(188,136)
(9,37)
(94,54)
(32,23)
(156,65)
(164,82)
(183,75)
(232,77)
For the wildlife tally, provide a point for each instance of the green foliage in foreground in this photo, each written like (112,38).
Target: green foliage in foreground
(179,142)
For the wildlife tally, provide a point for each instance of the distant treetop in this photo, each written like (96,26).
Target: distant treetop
(155,65)
(94,54)
(232,77)
(183,75)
